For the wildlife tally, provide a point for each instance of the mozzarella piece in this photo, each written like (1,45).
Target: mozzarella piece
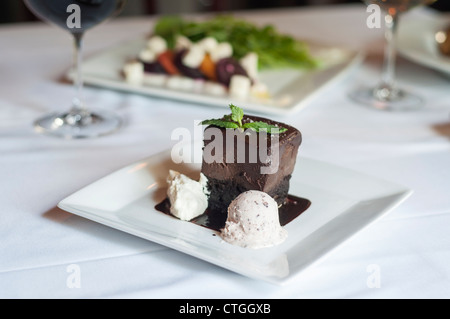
(240,86)
(208,44)
(153,79)
(221,51)
(214,88)
(174,82)
(260,90)
(250,64)
(157,44)
(147,56)
(181,42)
(181,83)
(134,72)
(188,198)
(194,57)
(187,84)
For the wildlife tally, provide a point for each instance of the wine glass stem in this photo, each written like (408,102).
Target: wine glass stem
(78,115)
(78,104)
(388,76)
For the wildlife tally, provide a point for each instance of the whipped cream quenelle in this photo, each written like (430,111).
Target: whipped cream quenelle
(188,198)
(253,221)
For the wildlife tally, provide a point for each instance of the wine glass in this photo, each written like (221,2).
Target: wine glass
(387,95)
(77,16)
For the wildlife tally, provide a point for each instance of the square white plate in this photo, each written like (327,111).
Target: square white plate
(290,89)
(343,203)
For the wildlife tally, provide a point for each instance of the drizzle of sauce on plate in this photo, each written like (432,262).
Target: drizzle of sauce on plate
(290,210)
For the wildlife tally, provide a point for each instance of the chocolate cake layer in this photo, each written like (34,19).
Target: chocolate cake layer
(235,161)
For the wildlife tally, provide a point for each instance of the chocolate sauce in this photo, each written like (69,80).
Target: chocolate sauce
(290,210)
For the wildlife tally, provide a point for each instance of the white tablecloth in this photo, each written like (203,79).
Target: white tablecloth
(39,242)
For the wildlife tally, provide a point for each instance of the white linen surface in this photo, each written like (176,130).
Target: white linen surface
(38,242)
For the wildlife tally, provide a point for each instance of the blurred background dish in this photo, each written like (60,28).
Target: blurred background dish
(289,95)
(442,38)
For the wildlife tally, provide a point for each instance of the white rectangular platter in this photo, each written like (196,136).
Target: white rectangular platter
(291,90)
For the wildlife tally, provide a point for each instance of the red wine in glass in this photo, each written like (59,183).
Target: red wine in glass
(76,17)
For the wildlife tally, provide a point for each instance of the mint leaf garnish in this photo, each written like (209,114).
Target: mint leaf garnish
(234,121)
(221,123)
(237,114)
(261,126)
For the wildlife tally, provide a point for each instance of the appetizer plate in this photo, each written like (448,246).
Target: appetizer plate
(290,90)
(416,42)
(343,203)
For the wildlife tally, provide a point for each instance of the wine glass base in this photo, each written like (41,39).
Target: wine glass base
(397,101)
(94,125)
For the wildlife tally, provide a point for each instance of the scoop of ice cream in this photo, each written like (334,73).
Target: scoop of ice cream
(253,221)
(188,198)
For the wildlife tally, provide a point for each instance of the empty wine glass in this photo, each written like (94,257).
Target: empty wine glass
(77,16)
(387,95)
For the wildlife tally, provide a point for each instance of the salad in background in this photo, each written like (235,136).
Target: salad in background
(221,56)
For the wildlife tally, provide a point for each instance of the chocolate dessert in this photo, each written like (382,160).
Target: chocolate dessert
(248,160)
(240,154)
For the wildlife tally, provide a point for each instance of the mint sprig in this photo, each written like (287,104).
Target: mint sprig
(234,121)
(237,114)
(221,123)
